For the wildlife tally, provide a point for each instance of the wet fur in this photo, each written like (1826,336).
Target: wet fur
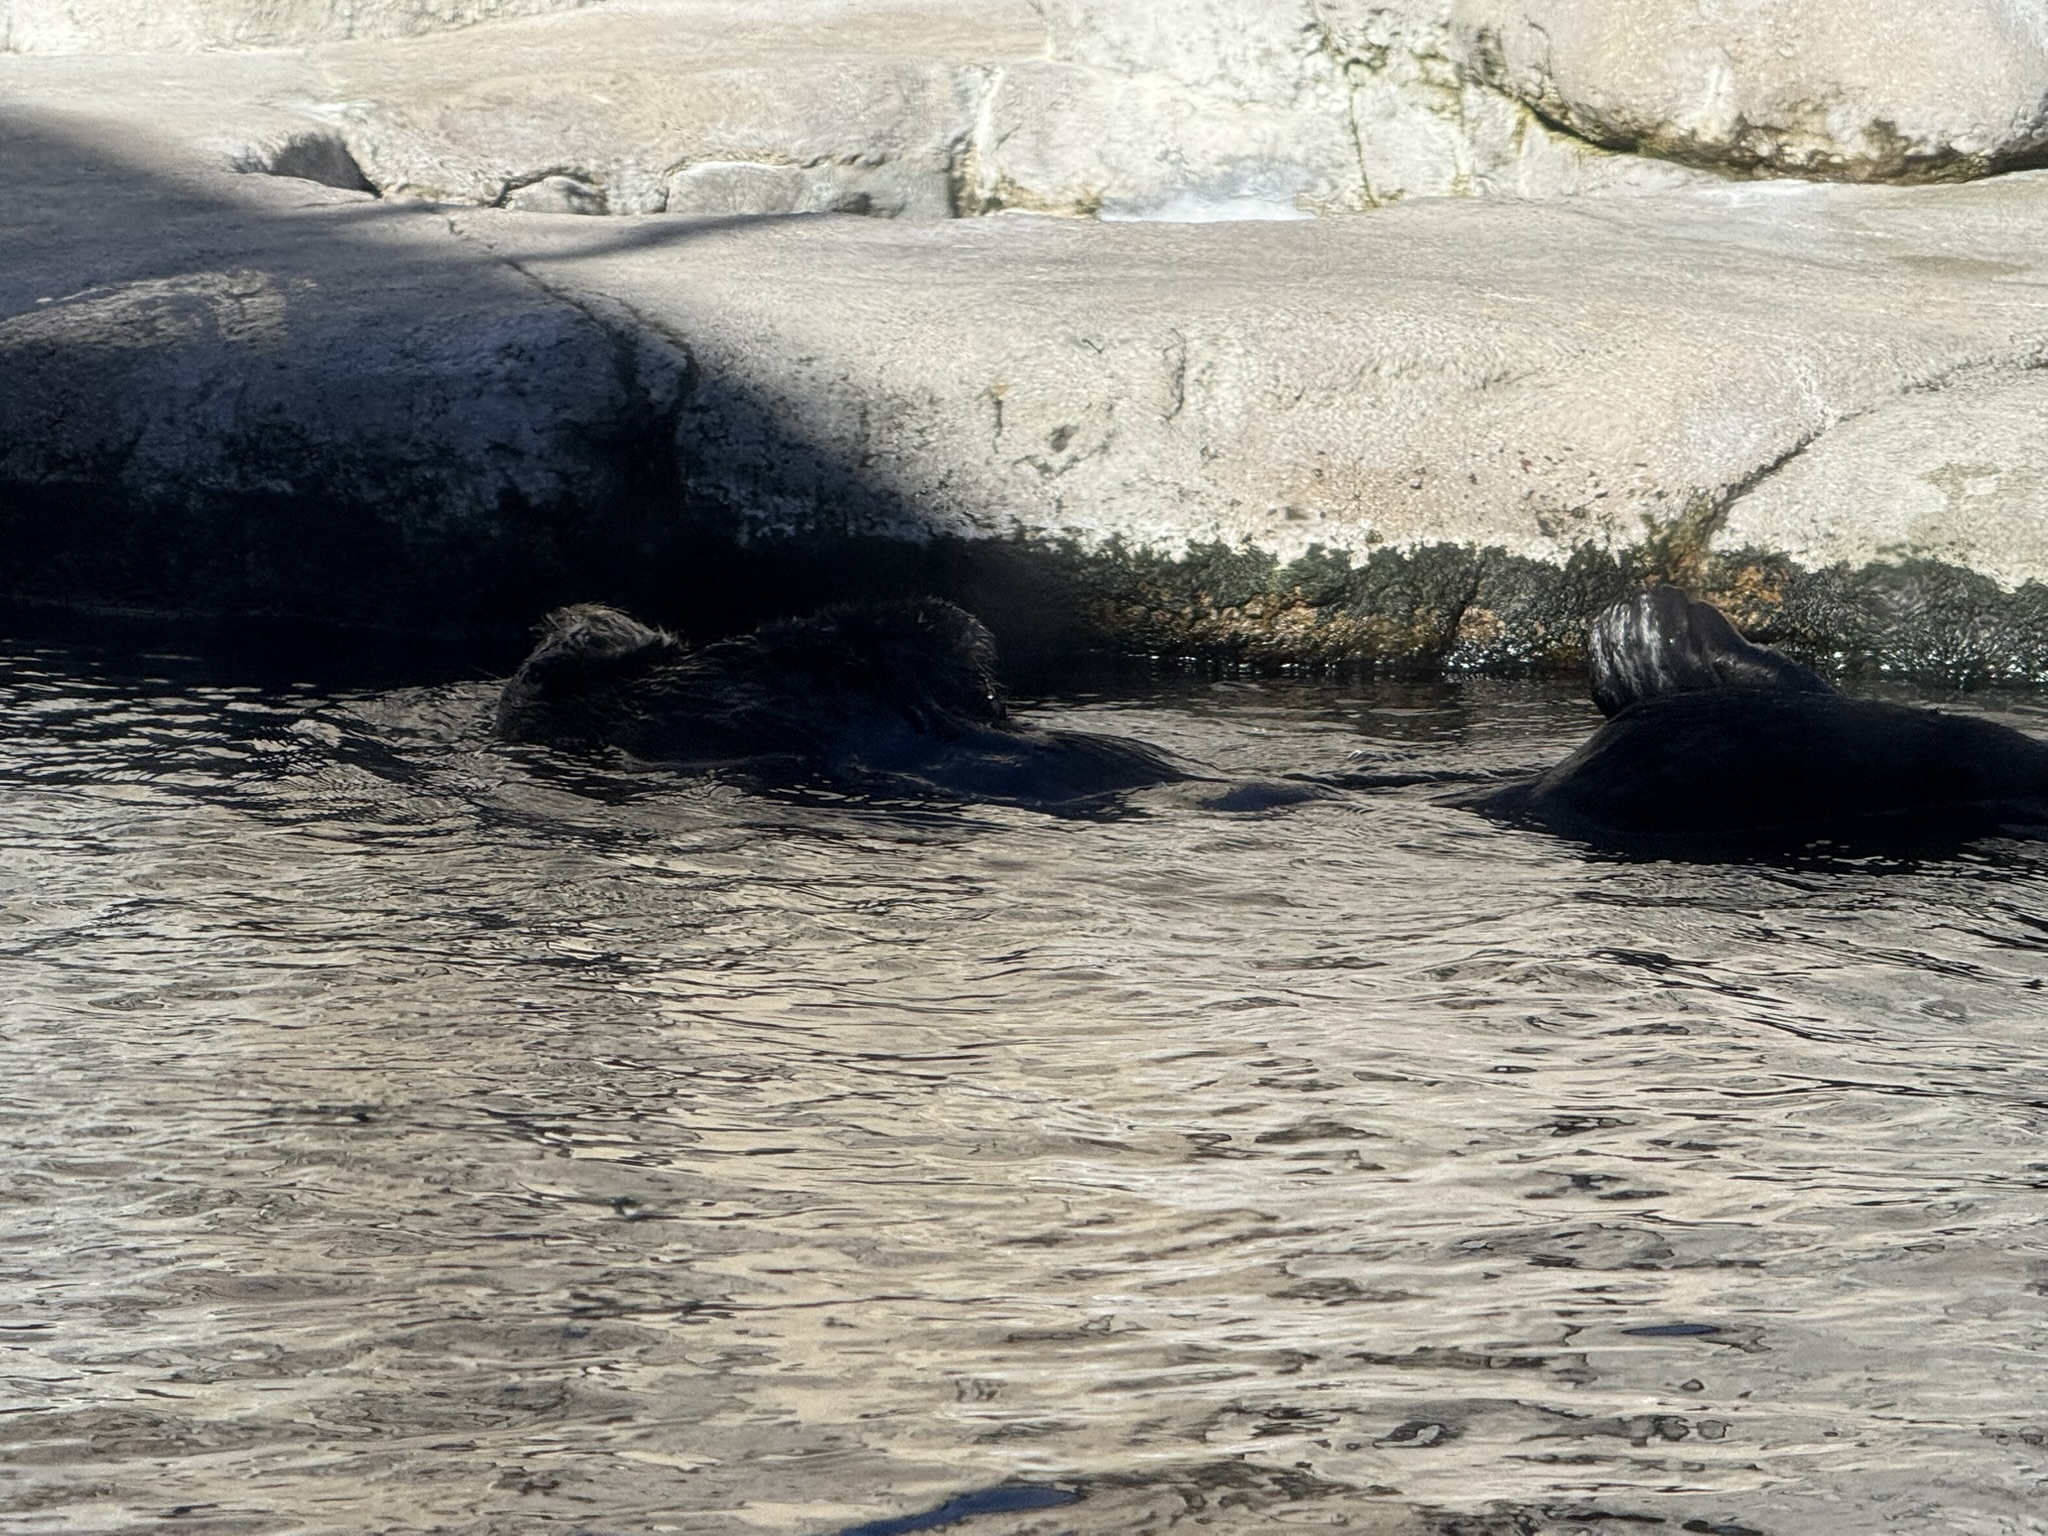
(899,696)
(1660,643)
(1716,745)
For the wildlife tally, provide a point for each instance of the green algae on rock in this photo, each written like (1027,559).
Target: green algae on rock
(1457,608)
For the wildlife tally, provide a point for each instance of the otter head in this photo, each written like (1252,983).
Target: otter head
(1660,642)
(927,660)
(585,652)
(951,657)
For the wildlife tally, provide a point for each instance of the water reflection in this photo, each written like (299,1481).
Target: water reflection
(410,1134)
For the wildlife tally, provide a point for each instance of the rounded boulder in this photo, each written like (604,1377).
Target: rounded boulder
(1903,90)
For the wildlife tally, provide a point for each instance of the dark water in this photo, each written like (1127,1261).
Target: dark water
(404,1134)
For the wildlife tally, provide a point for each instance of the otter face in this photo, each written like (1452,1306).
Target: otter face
(953,658)
(585,651)
(927,660)
(1660,643)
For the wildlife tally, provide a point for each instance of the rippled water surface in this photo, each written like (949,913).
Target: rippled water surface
(406,1134)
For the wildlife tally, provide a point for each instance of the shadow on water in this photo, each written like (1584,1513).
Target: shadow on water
(1357,1160)
(1009,1499)
(268,654)
(1911,846)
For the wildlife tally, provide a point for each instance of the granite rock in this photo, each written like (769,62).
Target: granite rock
(1917,90)
(1958,475)
(687,106)
(1532,376)
(245,393)
(178,26)
(922,109)
(279,391)
(1248,109)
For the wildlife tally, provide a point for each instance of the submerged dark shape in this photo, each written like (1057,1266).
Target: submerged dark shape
(1717,745)
(1009,1498)
(899,697)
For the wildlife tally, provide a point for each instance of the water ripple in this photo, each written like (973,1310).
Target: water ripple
(410,1134)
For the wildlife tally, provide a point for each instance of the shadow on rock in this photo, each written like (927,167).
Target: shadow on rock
(246,395)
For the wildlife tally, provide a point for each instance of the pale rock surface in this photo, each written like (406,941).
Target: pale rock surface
(1960,476)
(922,109)
(1207,109)
(1532,376)
(249,111)
(1909,89)
(688,106)
(175,26)
(1235,109)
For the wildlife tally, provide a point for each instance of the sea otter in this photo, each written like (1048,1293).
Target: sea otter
(899,697)
(1713,743)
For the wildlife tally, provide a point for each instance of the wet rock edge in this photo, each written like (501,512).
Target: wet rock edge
(1433,609)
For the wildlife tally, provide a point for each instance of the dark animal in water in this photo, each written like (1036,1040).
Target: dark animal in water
(1714,744)
(897,697)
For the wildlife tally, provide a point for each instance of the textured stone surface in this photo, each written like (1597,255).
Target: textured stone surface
(926,108)
(275,391)
(197,112)
(1220,107)
(708,106)
(915,108)
(1208,109)
(1533,376)
(248,392)
(119,26)
(1957,475)
(1912,90)
(1237,109)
